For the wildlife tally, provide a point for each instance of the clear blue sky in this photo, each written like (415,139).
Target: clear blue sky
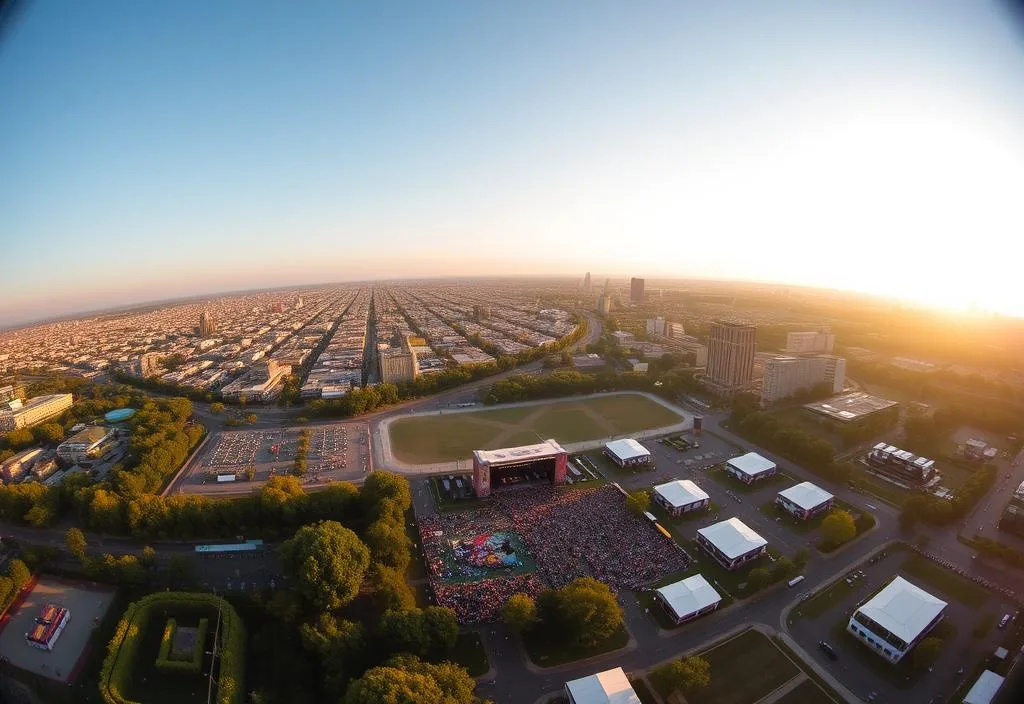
(157,148)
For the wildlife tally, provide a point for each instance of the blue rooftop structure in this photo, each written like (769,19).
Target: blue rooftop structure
(120,414)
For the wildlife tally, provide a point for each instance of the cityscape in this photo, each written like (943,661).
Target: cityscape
(534,353)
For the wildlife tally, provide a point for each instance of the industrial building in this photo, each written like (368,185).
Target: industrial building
(681,496)
(627,453)
(85,445)
(731,351)
(731,542)
(805,500)
(750,468)
(15,413)
(896,619)
(785,376)
(688,598)
(608,687)
(902,464)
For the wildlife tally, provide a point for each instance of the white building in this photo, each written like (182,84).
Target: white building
(820,341)
(627,452)
(656,326)
(608,687)
(731,542)
(805,500)
(623,338)
(984,690)
(785,376)
(681,496)
(688,598)
(896,619)
(750,467)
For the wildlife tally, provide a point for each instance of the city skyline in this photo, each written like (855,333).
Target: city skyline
(854,148)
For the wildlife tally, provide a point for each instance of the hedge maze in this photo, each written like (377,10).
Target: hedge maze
(173,666)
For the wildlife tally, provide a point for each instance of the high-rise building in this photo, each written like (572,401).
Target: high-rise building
(604,304)
(820,341)
(656,326)
(586,282)
(14,414)
(674,330)
(398,364)
(636,290)
(207,325)
(731,355)
(785,376)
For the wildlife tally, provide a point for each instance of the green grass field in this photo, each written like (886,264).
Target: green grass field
(428,439)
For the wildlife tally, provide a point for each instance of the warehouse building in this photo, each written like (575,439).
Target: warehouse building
(681,496)
(896,619)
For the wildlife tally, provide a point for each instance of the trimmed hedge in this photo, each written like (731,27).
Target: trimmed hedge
(122,650)
(172,661)
(166,641)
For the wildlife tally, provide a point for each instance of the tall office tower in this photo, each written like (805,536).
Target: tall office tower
(785,376)
(731,355)
(820,341)
(604,304)
(207,325)
(586,282)
(636,290)
(656,326)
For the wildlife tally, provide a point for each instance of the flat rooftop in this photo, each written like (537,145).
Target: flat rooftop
(752,464)
(850,407)
(903,609)
(548,448)
(806,495)
(689,595)
(733,537)
(608,687)
(681,492)
(627,449)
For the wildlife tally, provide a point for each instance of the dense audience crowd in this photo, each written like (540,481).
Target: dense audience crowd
(570,534)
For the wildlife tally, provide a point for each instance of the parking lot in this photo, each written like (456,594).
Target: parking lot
(971,608)
(337,452)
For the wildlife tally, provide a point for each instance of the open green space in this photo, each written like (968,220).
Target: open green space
(427,439)
(544,651)
(643,691)
(807,692)
(883,490)
(825,688)
(948,583)
(719,475)
(469,652)
(744,669)
(798,416)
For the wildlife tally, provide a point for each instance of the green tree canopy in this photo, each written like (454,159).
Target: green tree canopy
(927,652)
(585,611)
(19,573)
(687,676)
(519,612)
(75,541)
(408,680)
(838,527)
(327,562)
(48,433)
(759,577)
(639,502)
(390,590)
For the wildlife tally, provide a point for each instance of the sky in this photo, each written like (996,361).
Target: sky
(165,148)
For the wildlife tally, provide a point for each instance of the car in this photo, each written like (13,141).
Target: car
(829,651)
(1005,621)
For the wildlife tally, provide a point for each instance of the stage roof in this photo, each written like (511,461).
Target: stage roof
(608,687)
(548,448)
(733,537)
(690,595)
(681,493)
(806,495)
(903,609)
(628,449)
(752,464)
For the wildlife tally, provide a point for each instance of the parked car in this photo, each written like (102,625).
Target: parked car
(829,651)
(1005,621)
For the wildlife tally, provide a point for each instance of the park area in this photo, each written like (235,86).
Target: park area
(450,436)
(87,605)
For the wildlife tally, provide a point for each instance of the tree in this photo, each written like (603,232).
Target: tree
(216,407)
(927,652)
(148,558)
(802,557)
(76,544)
(19,573)
(48,433)
(405,679)
(639,502)
(783,569)
(180,570)
(20,438)
(759,577)
(390,590)
(327,562)
(251,418)
(519,612)
(838,527)
(584,611)
(687,676)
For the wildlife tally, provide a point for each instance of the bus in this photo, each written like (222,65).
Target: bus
(796,580)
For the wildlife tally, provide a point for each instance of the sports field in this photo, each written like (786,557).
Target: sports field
(426,439)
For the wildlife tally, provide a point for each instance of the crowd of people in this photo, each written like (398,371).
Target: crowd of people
(569,534)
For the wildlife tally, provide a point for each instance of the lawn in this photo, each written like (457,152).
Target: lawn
(722,477)
(430,438)
(744,669)
(948,583)
(901,674)
(150,684)
(469,652)
(545,651)
(883,490)
(643,691)
(807,692)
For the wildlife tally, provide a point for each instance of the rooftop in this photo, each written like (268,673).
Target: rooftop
(733,537)
(806,495)
(89,436)
(984,689)
(681,492)
(903,608)
(548,448)
(628,449)
(752,464)
(608,687)
(689,595)
(851,406)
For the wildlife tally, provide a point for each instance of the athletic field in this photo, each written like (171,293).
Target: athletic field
(428,439)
